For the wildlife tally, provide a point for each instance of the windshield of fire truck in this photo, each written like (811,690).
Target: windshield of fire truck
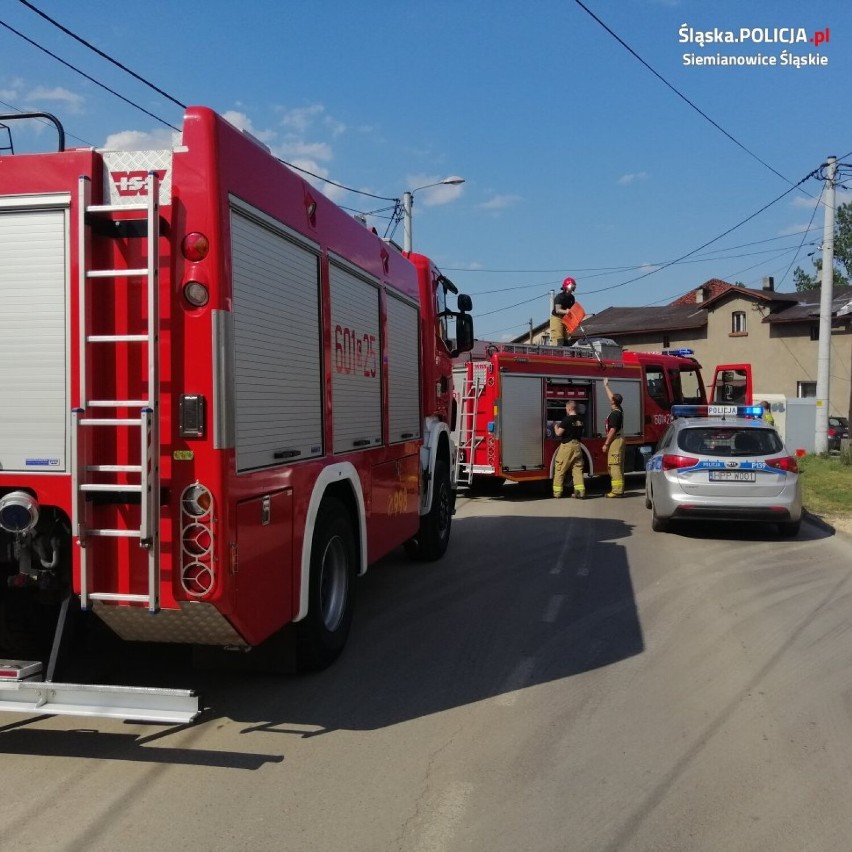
(441,313)
(691,386)
(656,382)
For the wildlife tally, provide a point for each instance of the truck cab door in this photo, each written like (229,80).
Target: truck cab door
(731,385)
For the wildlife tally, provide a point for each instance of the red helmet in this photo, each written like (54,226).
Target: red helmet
(569,284)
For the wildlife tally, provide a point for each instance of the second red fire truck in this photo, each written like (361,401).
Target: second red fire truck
(509,396)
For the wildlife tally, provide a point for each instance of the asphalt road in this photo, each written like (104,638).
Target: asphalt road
(564,679)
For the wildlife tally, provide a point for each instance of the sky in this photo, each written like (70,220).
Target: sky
(591,143)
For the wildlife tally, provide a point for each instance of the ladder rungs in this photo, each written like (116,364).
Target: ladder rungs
(113,533)
(115,596)
(118,403)
(116,273)
(116,208)
(114,468)
(116,338)
(108,487)
(105,421)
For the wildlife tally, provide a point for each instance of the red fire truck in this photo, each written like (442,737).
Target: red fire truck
(510,396)
(223,398)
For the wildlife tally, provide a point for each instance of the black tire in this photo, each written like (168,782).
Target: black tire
(432,540)
(322,634)
(790,529)
(658,524)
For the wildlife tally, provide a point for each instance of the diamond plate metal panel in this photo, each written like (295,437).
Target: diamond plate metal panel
(192,624)
(125,173)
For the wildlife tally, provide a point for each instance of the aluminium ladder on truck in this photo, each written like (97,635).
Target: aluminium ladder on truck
(92,351)
(468,404)
(24,686)
(127,452)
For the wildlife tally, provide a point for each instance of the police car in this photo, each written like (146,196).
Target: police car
(723,463)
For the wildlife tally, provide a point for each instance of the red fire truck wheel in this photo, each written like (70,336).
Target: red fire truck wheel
(321,635)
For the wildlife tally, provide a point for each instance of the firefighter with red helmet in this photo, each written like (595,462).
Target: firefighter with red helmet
(562,303)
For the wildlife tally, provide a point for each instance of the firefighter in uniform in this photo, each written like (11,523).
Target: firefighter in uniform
(569,456)
(614,443)
(562,303)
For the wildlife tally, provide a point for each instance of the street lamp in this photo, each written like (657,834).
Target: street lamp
(408,203)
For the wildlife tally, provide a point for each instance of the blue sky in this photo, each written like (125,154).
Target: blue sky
(577,159)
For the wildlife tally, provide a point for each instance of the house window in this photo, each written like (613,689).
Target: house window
(806,390)
(814,332)
(738,323)
(667,341)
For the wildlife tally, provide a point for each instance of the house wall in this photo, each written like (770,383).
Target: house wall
(781,355)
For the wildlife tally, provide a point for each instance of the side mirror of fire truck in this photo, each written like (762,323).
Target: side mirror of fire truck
(465,302)
(464,334)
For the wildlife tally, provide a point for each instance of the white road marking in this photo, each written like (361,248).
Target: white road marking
(553,607)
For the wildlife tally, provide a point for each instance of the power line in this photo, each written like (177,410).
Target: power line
(717,238)
(84,74)
(102,54)
(813,214)
(155,88)
(687,254)
(335,183)
(679,93)
(605,270)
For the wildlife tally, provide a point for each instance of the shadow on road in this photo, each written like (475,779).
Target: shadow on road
(517,602)
(499,613)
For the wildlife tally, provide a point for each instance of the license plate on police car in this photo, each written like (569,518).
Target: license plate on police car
(732,476)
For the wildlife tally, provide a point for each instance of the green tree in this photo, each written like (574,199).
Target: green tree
(842,254)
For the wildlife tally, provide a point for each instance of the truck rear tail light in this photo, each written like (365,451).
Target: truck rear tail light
(18,512)
(196,294)
(197,579)
(195,247)
(672,462)
(197,501)
(785,463)
(198,566)
(197,539)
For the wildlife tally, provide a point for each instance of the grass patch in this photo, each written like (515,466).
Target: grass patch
(827,483)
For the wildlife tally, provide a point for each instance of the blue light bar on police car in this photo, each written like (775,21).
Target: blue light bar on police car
(717,410)
(681,353)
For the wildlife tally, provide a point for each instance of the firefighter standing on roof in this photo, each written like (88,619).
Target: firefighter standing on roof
(614,443)
(562,303)
(569,456)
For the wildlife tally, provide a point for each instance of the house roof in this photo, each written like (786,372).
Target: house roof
(780,300)
(626,320)
(709,289)
(807,306)
(689,311)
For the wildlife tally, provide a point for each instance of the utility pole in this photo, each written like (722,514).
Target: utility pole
(531,330)
(826,296)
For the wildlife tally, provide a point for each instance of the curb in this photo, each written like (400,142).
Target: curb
(817,521)
(820,522)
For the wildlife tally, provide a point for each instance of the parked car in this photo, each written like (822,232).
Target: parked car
(716,463)
(838,428)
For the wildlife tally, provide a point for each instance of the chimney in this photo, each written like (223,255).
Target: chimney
(769,284)
(699,295)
